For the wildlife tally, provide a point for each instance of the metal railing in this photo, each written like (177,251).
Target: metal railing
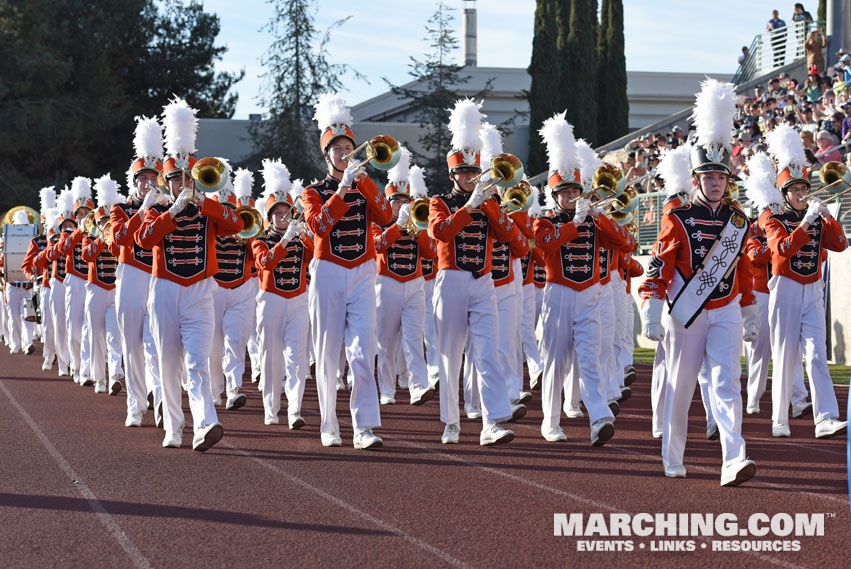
(772,50)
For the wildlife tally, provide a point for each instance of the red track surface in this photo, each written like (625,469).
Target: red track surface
(78,489)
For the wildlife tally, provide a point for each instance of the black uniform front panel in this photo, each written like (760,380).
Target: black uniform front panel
(578,257)
(230,257)
(105,265)
(348,238)
(500,261)
(471,242)
(806,261)
(60,264)
(403,256)
(80,265)
(185,249)
(428,267)
(288,273)
(140,254)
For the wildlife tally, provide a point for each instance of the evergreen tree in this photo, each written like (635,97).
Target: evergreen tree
(543,92)
(822,13)
(433,94)
(603,90)
(297,71)
(616,110)
(578,84)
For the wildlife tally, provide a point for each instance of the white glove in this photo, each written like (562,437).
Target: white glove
(349,175)
(404,213)
(823,211)
(813,211)
(179,204)
(477,197)
(750,323)
(652,313)
(150,199)
(582,209)
(290,233)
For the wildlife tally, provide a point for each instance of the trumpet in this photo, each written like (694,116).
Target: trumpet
(417,217)
(505,171)
(252,223)
(210,175)
(382,150)
(516,198)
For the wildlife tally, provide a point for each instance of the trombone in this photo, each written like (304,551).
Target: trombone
(252,223)
(517,198)
(505,171)
(382,150)
(607,181)
(210,175)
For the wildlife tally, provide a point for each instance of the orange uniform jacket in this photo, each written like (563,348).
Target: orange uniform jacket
(796,253)
(71,248)
(102,262)
(29,266)
(124,221)
(185,246)
(401,256)
(51,257)
(282,270)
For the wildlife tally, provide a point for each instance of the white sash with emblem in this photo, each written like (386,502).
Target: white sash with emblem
(717,265)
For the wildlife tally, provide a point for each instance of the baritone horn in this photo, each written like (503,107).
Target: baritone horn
(252,222)
(383,151)
(417,217)
(834,176)
(505,171)
(210,175)
(606,178)
(516,198)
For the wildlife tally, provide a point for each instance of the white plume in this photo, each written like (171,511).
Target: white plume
(465,121)
(549,201)
(21,217)
(714,108)
(243,182)
(588,160)
(81,189)
(296,189)
(129,175)
(331,109)
(228,187)
(47,198)
(535,208)
(416,182)
(276,177)
(148,139)
(180,126)
(399,172)
(107,192)
(786,146)
(66,202)
(675,170)
(561,145)
(491,142)
(51,219)
(761,182)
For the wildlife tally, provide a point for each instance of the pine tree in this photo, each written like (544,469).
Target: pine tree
(297,72)
(433,93)
(613,83)
(543,92)
(822,13)
(578,84)
(603,90)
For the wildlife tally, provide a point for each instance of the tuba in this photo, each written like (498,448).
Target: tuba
(382,150)
(417,217)
(32,215)
(210,175)
(252,223)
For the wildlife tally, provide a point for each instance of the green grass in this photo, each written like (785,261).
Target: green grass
(839,374)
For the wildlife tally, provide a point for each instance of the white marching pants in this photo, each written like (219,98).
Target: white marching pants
(431,355)
(283,334)
(623,346)
(508,356)
(182,327)
(527,330)
(472,396)
(714,340)
(234,312)
(103,333)
(253,344)
(608,361)
(466,305)
(141,364)
(60,332)
(21,332)
(571,330)
(400,318)
(47,332)
(796,320)
(75,296)
(341,304)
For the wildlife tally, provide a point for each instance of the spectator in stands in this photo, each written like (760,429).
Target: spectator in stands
(846,121)
(800,14)
(825,141)
(814,45)
(813,87)
(759,93)
(775,89)
(806,117)
(744,55)
(777,28)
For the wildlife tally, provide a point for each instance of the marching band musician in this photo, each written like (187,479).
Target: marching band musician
(61,221)
(21,333)
(339,211)
(630,268)
(797,238)
(399,290)
(431,356)
(697,263)
(36,268)
(234,301)
(133,278)
(182,237)
(528,305)
(282,256)
(70,251)
(570,241)
(102,257)
(464,223)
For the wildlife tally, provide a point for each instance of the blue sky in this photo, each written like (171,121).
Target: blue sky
(382,35)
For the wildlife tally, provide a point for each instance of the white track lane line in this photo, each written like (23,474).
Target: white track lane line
(112,526)
(353,510)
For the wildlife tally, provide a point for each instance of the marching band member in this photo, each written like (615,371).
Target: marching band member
(400,298)
(36,269)
(630,269)
(797,238)
(464,224)
(282,256)
(528,306)
(707,314)
(21,332)
(234,301)
(102,257)
(70,248)
(570,241)
(182,237)
(339,211)
(431,356)
(133,278)
(62,221)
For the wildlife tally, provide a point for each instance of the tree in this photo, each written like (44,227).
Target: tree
(433,93)
(578,83)
(611,87)
(543,92)
(297,72)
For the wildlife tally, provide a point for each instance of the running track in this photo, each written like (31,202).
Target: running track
(78,489)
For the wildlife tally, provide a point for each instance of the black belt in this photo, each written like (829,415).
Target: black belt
(21,284)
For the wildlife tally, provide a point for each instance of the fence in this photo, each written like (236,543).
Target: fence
(772,50)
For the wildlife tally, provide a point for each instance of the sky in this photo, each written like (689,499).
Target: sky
(382,35)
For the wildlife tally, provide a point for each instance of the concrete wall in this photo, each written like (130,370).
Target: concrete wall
(839,307)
